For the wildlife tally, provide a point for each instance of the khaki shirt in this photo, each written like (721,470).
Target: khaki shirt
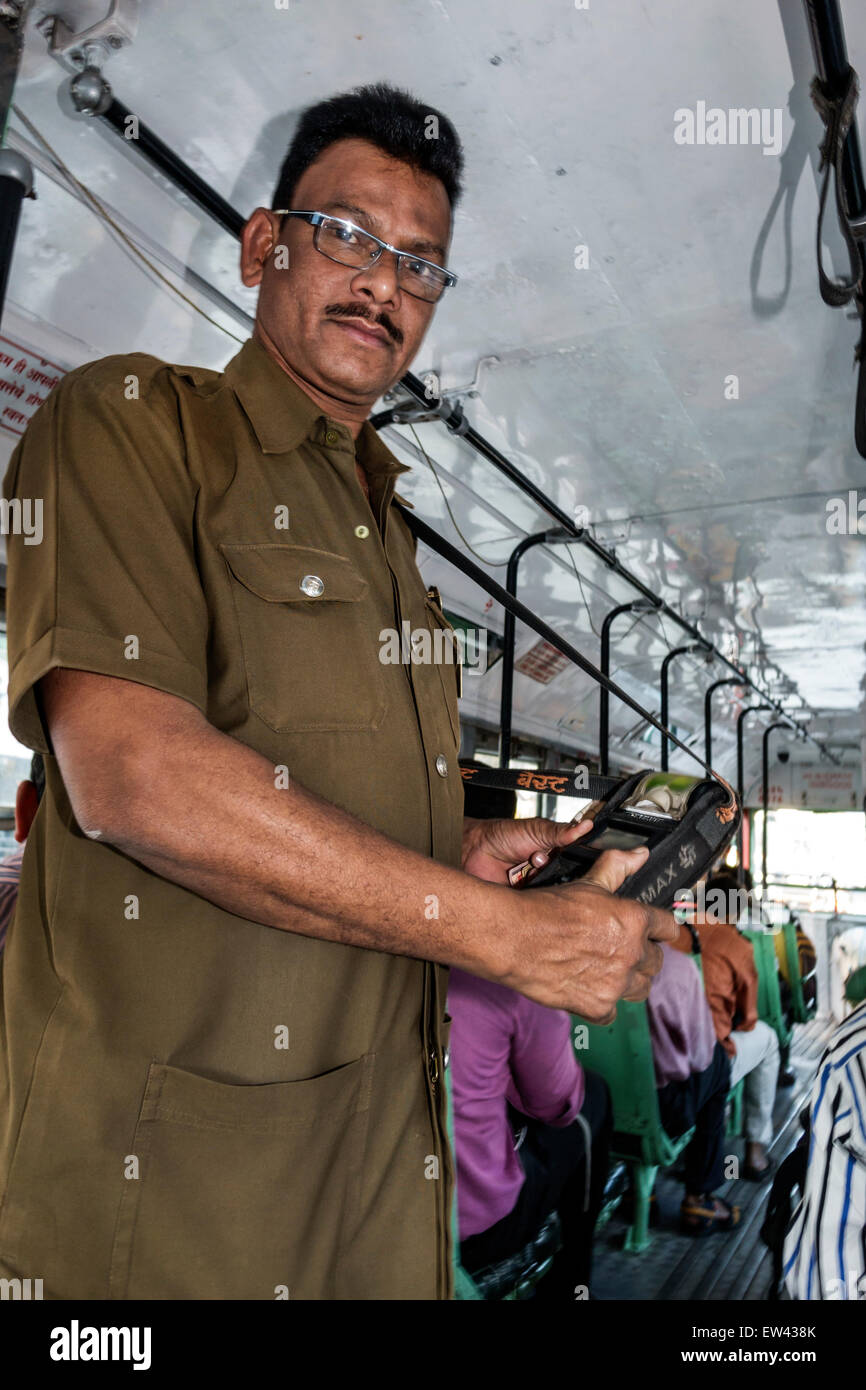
(193,1105)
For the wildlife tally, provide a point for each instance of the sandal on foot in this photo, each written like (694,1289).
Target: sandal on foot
(701,1218)
(753,1174)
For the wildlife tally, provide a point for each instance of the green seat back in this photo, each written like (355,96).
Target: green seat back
(622,1053)
(769,996)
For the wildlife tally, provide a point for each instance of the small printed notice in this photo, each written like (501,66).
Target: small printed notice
(26,379)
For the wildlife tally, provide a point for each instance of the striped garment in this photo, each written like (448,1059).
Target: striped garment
(825,1249)
(10,871)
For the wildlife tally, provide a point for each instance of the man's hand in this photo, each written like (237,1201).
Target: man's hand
(492,847)
(582,949)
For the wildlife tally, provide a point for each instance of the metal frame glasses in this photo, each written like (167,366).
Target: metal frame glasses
(421,278)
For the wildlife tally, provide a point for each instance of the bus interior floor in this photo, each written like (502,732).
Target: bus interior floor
(735,1266)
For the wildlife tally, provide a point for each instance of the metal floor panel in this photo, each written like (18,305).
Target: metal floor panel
(720,1267)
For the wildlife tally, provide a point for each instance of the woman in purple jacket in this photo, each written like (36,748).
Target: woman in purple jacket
(513,1066)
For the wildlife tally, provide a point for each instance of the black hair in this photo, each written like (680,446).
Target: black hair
(390,118)
(37,774)
(725,883)
(487,803)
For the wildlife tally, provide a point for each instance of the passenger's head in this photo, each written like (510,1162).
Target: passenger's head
(390,164)
(487,803)
(855,986)
(27,798)
(724,899)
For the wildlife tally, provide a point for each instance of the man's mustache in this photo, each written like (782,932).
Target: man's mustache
(360,311)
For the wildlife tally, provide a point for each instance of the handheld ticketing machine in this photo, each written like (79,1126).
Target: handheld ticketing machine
(685,822)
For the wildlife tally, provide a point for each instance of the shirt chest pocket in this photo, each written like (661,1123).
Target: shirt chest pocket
(310,643)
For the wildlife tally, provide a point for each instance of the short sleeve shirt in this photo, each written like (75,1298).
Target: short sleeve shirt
(205,534)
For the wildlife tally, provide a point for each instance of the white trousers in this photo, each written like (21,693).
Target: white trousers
(757,1060)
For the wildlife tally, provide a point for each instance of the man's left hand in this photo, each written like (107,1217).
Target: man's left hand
(492,847)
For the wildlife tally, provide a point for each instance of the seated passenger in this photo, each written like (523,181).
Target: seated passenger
(847,955)
(27,800)
(855,986)
(825,1249)
(693,1079)
(806,961)
(506,1051)
(513,1065)
(731,984)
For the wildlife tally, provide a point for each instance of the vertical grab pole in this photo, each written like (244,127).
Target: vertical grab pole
(676,651)
(509,636)
(603,695)
(766,783)
(741,791)
(708,714)
(16,172)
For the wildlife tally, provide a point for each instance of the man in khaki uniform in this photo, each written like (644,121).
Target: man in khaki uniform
(223,994)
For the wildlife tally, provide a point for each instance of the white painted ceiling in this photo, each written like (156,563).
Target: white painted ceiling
(608,390)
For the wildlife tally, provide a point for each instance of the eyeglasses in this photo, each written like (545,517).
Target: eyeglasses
(343,242)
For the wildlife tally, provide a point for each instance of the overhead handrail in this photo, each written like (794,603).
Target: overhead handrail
(453,417)
(431,538)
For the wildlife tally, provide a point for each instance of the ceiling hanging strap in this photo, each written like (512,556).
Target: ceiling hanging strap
(837,114)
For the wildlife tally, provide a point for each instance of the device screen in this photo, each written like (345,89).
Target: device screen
(611,838)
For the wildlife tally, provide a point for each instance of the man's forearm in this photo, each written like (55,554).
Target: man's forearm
(205,813)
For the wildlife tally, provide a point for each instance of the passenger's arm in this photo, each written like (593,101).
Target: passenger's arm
(147,773)
(547,1082)
(720,987)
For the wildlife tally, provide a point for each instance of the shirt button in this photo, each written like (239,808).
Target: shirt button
(312,585)
(362,532)
(442,765)
(332,437)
